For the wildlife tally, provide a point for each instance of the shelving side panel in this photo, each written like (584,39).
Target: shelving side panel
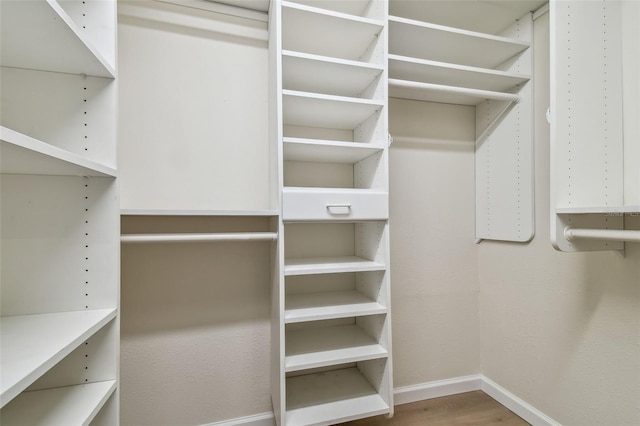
(60,244)
(72,112)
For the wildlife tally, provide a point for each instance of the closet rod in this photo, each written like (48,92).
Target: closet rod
(601,234)
(187,237)
(478,93)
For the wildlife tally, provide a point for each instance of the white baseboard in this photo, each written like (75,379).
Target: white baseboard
(436,389)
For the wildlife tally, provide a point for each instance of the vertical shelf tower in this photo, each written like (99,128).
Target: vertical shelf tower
(331,349)
(59,213)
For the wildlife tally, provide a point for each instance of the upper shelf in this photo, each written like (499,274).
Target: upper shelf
(445,94)
(612,210)
(323,32)
(450,45)
(40,35)
(351,7)
(23,154)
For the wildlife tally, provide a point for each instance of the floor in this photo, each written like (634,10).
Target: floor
(471,408)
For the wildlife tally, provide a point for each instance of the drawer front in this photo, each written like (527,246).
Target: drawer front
(301,205)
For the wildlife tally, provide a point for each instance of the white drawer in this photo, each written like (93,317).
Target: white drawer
(302,204)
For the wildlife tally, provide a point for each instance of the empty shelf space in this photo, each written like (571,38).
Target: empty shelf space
(351,7)
(319,74)
(426,71)
(329,265)
(323,32)
(329,305)
(331,397)
(335,112)
(299,149)
(422,40)
(445,94)
(32,344)
(322,347)
(610,210)
(40,35)
(22,154)
(69,405)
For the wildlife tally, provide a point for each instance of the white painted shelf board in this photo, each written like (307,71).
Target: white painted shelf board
(598,210)
(444,94)
(329,265)
(320,74)
(412,69)
(69,405)
(159,212)
(331,397)
(351,7)
(322,347)
(299,149)
(22,154)
(40,35)
(450,45)
(329,305)
(328,111)
(322,32)
(32,344)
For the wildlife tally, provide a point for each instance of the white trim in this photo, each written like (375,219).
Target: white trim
(264,419)
(436,389)
(542,10)
(515,404)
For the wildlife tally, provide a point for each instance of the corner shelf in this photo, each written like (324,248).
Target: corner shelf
(22,154)
(51,41)
(329,265)
(329,305)
(32,344)
(301,149)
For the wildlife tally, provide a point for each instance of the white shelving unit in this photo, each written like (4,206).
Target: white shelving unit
(447,54)
(331,286)
(60,217)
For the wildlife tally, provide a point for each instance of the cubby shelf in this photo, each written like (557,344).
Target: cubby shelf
(450,45)
(329,265)
(610,210)
(69,405)
(300,149)
(23,154)
(445,94)
(336,112)
(331,397)
(342,344)
(32,344)
(332,76)
(329,305)
(324,32)
(51,41)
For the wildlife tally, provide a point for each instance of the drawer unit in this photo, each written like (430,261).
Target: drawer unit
(303,204)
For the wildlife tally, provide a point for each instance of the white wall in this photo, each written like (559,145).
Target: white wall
(561,330)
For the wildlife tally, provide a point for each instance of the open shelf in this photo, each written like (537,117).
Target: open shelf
(351,7)
(612,210)
(300,149)
(320,74)
(32,344)
(322,347)
(331,397)
(335,112)
(323,32)
(50,42)
(166,212)
(69,405)
(450,45)
(445,94)
(22,154)
(329,265)
(329,305)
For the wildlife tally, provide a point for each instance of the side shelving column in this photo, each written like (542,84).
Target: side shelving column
(59,213)
(332,325)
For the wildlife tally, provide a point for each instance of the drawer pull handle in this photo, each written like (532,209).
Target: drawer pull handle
(339,209)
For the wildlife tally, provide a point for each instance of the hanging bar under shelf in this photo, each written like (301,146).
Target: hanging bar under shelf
(602,234)
(189,237)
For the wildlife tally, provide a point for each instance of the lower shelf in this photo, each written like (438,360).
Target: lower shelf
(331,397)
(69,405)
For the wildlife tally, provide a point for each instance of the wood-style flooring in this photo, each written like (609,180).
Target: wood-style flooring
(470,409)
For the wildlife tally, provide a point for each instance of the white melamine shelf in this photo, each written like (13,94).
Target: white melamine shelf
(322,347)
(351,7)
(320,74)
(323,32)
(22,154)
(422,70)
(299,149)
(69,405)
(331,397)
(329,305)
(40,35)
(335,112)
(163,212)
(445,94)
(450,45)
(32,344)
(329,265)
(614,210)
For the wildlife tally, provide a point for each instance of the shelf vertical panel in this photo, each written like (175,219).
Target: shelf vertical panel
(504,155)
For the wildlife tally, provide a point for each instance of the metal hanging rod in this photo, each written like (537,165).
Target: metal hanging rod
(189,237)
(602,234)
